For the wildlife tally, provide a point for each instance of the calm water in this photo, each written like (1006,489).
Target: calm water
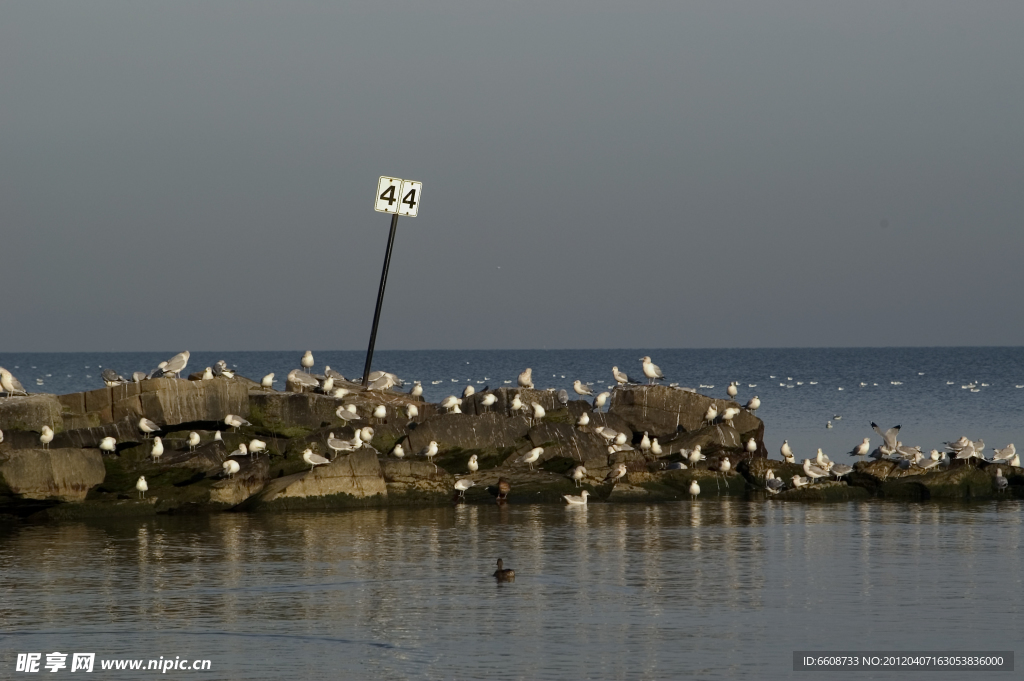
(713,589)
(930,410)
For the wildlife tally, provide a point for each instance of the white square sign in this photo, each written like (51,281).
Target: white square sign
(410,203)
(388,194)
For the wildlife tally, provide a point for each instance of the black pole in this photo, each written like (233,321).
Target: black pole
(380,300)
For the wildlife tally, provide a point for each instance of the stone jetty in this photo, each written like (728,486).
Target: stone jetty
(72,477)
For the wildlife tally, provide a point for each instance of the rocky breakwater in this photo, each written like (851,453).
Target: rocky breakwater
(514,445)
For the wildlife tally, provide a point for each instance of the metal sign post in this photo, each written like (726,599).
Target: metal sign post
(398,197)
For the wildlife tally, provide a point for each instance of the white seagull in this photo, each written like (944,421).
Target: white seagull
(141,485)
(526,378)
(46,437)
(307,360)
(601,400)
(268,381)
(235,421)
(616,474)
(193,440)
(147,426)
(582,389)
(472,464)
(694,489)
(651,370)
(430,451)
(108,444)
(158,449)
(231,467)
(312,459)
(531,456)
(580,500)
(578,475)
(462,485)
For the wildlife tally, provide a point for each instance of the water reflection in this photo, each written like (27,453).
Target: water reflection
(717,589)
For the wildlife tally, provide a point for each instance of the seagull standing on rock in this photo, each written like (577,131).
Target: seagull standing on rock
(108,444)
(141,485)
(147,426)
(616,474)
(175,365)
(531,456)
(46,437)
(488,400)
(786,452)
(601,400)
(235,421)
(268,382)
(462,485)
(193,440)
(411,411)
(732,390)
(398,451)
(754,404)
(620,377)
(538,411)
(157,450)
(312,459)
(231,467)
(10,384)
(578,475)
(472,464)
(430,451)
(583,421)
(862,449)
(582,389)
(651,370)
(417,389)
(526,378)
(307,360)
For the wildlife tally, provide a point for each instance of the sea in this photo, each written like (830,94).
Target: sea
(717,588)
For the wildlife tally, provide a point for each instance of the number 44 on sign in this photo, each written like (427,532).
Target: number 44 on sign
(395,195)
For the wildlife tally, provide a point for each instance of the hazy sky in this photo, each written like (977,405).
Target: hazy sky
(682,174)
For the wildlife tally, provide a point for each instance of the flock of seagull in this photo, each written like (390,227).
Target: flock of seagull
(821,467)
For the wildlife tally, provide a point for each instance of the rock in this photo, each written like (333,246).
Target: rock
(64,474)
(565,440)
(961,482)
(464,431)
(823,491)
(250,479)
(710,438)
(167,401)
(290,413)
(357,476)
(661,411)
(417,478)
(30,414)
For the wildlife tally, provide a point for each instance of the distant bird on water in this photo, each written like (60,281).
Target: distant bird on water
(504,575)
(651,370)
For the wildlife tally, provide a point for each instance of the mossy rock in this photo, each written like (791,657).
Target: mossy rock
(961,482)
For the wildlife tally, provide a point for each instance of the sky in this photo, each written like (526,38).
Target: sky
(201,175)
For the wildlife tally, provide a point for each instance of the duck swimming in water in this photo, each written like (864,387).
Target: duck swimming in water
(503,575)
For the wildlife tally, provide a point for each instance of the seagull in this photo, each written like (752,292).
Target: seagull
(366,433)
(430,451)
(729,414)
(309,457)
(147,426)
(472,464)
(46,437)
(220,368)
(1000,481)
(862,449)
(582,389)
(218,437)
(620,439)
(331,373)
(563,396)
(241,451)
(235,421)
(141,485)
(231,467)
(299,378)
(380,412)
(526,378)
(417,389)
(812,471)
(645,444)
(572,500)
(517,404)
(772,484)
(327,387)
(787,453)
(828,424)
(616,474)
(112,378)
(840,469)
(504,575)
(451,403)
(411,411)
(695,456)
(888,436)
(751,446)
(1005,454)
(10,384)
(268,381)
(732,390)
(711,414)
(488,400)
(468,391)
(307,360)
(462,485)
(531,456)
(724,466)
(620,377)
(108,444)
(398,451)
(676,466)
(138,376)
(601,400)
(694,490)
(538,411)
(608,434)
(208,374)
(157,450)
(256,447)
(578,475)
(799,481)
(651,370)
(175,365)
(655,447)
